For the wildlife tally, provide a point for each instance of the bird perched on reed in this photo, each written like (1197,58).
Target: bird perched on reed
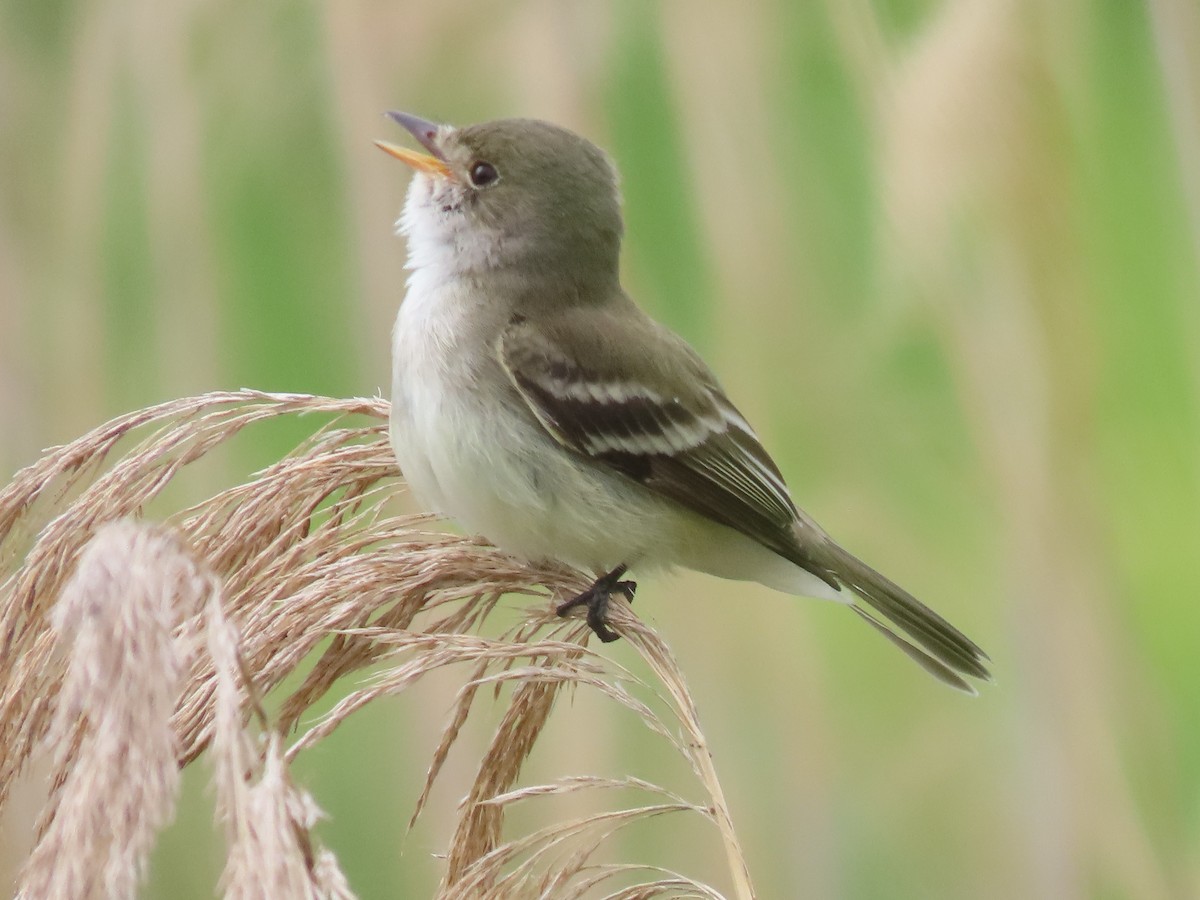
(537,404)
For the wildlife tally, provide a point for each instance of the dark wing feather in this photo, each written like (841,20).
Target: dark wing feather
(681,437)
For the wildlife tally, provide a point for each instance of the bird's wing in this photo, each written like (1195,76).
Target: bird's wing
(626,393)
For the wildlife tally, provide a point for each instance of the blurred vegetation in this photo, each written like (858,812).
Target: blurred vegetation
(945,254)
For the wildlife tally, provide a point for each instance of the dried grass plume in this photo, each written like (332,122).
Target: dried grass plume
(115,776)
(130,647)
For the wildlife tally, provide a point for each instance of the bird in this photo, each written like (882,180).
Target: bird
(538,405)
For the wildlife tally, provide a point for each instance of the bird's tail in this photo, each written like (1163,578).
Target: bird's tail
(931,641)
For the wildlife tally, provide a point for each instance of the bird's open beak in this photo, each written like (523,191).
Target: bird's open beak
(426,133)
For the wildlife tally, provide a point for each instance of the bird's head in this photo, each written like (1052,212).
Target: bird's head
(509,193)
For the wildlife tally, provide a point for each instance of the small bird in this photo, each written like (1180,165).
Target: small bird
(537,404)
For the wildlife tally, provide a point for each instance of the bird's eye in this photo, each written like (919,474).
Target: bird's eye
(483,173)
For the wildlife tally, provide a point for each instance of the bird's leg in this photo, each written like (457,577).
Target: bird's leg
(596,598)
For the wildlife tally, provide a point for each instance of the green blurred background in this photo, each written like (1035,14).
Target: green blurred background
(945,255)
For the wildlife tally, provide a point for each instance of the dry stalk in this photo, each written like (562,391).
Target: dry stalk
(115,775)
(305,551)
(268,824)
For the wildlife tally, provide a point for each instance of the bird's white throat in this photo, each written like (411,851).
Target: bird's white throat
(442,242)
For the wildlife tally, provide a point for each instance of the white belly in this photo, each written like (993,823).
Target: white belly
(469,450)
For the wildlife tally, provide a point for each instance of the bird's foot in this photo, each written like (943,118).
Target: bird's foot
(596,599)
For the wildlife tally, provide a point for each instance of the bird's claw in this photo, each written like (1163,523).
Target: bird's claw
(596,600)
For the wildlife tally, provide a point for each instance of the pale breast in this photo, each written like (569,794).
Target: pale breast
(470,449)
